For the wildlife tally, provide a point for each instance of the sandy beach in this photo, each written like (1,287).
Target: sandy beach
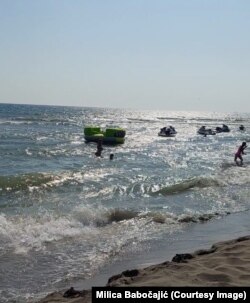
(224,264)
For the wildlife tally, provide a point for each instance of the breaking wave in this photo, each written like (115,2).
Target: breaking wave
(103,217)
(37,232)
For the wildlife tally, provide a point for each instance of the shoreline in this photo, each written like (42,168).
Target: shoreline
(225,263)
(192,238)
(195,237)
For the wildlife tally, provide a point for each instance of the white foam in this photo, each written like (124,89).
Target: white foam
(28,152)
(26,233)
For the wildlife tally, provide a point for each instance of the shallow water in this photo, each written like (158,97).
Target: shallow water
(65,214)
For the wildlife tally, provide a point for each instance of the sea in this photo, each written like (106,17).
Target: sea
(66,216)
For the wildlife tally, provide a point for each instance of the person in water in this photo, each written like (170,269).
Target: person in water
(111,156)
(99,149)
(240,152)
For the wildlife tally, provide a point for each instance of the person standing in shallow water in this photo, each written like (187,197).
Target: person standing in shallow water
(99,149)
(239,153)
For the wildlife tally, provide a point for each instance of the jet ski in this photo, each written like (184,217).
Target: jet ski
(167,132)
(223,129)
(205,131)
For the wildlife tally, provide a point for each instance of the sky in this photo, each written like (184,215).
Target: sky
(142,54)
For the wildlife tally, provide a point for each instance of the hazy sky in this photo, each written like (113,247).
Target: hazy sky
(146,54)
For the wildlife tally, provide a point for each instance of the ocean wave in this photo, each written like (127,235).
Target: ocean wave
(103,217)
(39,181)
(144,189)
(33,181)
(107,189)
(117,215)
(199,218)
(23,233)
(171,218)
(22,182)
(197,182)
